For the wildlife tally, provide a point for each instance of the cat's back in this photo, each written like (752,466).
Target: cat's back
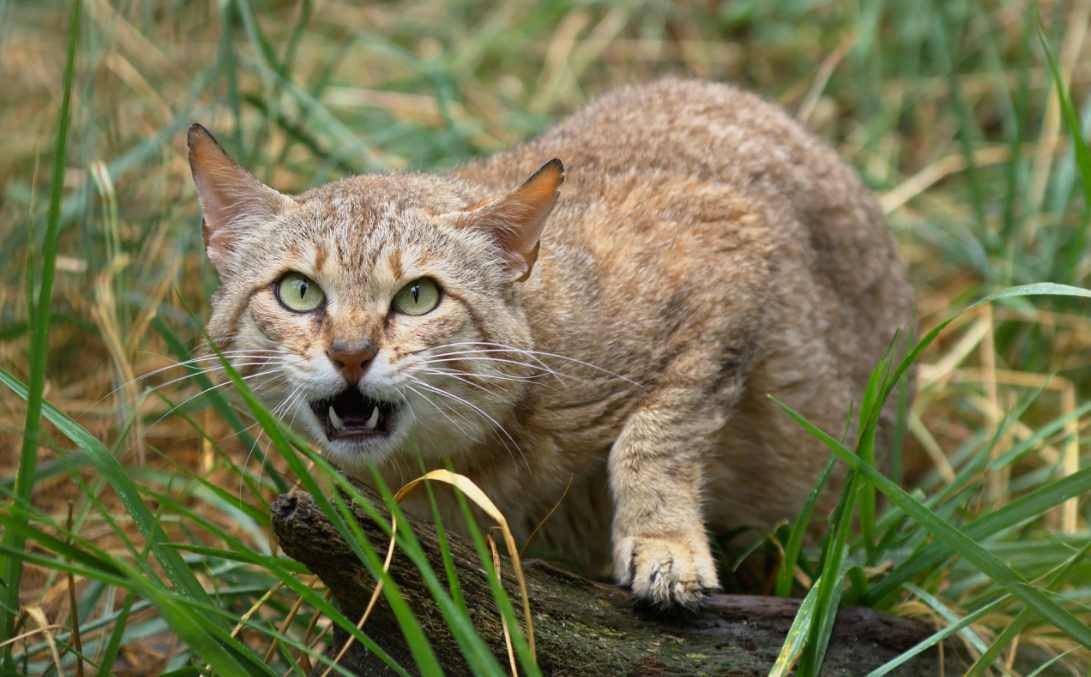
(680,148)
(709,131)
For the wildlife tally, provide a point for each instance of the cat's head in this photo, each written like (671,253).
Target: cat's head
(378,312)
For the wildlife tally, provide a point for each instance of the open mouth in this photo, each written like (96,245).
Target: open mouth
(352,415)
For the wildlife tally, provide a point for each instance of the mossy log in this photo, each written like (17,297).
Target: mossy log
(581,627)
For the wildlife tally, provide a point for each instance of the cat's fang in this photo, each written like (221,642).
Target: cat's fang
(335,420)
(353,416)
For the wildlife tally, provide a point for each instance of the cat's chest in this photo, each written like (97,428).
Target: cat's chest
(554,513)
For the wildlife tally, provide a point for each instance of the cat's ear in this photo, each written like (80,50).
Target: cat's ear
(232,200)
(516,221)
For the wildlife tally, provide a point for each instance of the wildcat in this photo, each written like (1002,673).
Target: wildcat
(604,348)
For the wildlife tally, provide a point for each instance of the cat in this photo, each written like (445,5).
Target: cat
(595,342)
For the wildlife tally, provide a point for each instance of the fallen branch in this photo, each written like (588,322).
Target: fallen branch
(582,627)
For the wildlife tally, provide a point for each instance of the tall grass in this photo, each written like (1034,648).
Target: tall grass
(39,348)
(967,118)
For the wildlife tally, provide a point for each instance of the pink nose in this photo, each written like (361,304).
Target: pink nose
(352,358)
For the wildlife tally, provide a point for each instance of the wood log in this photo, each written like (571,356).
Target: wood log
(581,627)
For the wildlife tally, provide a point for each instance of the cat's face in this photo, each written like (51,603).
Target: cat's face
(376,314)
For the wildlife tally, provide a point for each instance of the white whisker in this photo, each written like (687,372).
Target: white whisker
(494,347)
(186,401)
(493,377)
(287,403)
(470,357)
(238,354)
(479,410)
(442,413)
(534,354)
(460,378)
(207,371)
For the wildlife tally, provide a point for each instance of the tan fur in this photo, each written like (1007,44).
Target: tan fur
(705,251)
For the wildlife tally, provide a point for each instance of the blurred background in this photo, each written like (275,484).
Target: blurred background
(949,109)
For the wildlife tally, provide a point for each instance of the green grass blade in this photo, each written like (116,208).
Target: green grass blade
(1076,248)
(191,628)
(966,632)
(982,459)
(870,412)
(1031,441)
(1019,510)
(897,444)
(477,654)
(1024,618)
(978,461)
(39,341)
(218,401)
(1035,289)
(830,583)
(445,551)
(1041,669)
(94,559)
(113,472)
(937,637)
(113,644)
(969,135)
(419,647)
(57,466)
(169,505)
(958,541)
(500,595)
(287,572)
(340,517)
(797,635)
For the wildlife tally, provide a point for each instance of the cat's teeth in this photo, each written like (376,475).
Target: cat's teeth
(374,420)
(338,424)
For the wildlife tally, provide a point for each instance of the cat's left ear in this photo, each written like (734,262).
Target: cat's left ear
(516,221)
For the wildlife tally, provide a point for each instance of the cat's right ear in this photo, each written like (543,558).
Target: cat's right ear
(232,200)
(515,222)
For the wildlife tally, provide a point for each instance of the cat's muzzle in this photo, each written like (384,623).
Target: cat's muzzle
(352,415)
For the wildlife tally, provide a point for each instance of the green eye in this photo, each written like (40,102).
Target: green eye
(417,298)
(299,293)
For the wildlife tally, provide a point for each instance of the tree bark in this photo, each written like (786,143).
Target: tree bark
(581,627)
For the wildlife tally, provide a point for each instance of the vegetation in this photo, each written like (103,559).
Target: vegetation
(135,494)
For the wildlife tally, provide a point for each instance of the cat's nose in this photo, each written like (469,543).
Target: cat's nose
(352,358)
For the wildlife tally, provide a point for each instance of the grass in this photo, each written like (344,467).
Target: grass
(40,311)
(135,520)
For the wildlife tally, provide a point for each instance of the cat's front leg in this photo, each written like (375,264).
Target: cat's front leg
(661,550)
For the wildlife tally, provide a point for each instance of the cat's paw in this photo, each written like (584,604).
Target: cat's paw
(666,574)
